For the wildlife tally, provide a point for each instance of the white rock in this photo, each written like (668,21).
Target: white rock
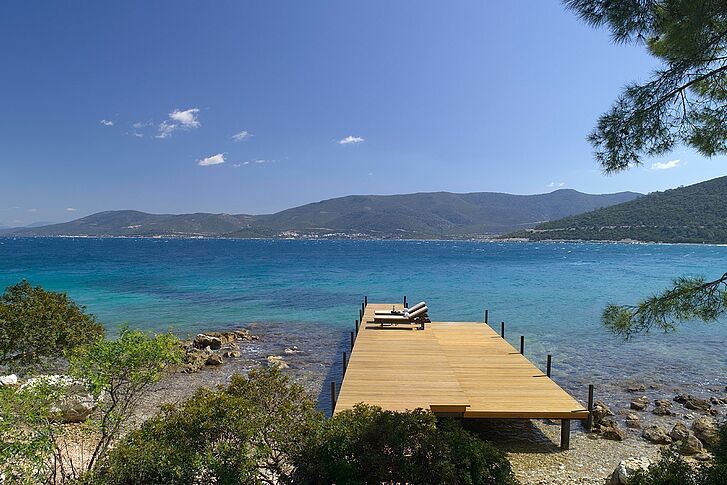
(626,468)
(10,380)
(75,405)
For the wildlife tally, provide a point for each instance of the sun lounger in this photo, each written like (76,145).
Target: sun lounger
(400,312)
(419,316)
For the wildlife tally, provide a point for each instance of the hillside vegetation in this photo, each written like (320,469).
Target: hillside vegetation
(693,214)
(410,216)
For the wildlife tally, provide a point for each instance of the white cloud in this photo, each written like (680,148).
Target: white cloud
(349,140)
(179,120)
(71,209)
(213,160)
(32,210)
(666,165)
(260,161)
(243,135)
(237,165)
(555,184)
(107,122)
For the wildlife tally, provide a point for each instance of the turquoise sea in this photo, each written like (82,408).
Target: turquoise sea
(552,293)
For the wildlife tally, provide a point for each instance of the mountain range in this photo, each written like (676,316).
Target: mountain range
(409,216)
(692,214)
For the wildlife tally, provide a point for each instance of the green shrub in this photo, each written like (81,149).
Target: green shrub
(36,324)
(117,373)
(369,445)
(249,432)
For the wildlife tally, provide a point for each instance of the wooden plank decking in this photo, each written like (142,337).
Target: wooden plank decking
(449,367)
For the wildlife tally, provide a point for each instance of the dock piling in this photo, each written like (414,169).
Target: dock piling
(333,397)
(548,366)
(366,300)
(564,434)
(405,305)
(355,322)
(589,420)
(345,363)
(522,344)
(502,329)
(487,312)
(351,340)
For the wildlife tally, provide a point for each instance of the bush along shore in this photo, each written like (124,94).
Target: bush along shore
(98,410)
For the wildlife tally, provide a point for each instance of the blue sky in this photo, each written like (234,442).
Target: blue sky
(127,105)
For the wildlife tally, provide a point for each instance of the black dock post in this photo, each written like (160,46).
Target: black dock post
(345,363)
(589,420)
(502,329)
(522,344)
(356,323)
(333,397)
(360,315)
(366,300)
(351,340)
(487,312)
(564,434)
(405,305)
(547,371)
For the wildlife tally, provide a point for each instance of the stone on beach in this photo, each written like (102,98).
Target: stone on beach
(9,380)
(202,341)
(633,421)
(232,353)
(74,405)
(214,359)
(705,429)
(693,403)
(655,434)
(626,469)
(662,407)
(600,412)
(293,349)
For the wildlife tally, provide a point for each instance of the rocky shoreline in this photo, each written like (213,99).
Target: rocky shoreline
(628,432)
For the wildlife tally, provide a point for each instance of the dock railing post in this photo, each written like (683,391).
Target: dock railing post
(548,366)
(564,434)
(345,363)
(502,329)
(333,397)
(589,420)
(522,344)
(352,340)
(487,312)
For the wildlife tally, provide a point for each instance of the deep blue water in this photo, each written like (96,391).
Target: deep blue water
(552,293)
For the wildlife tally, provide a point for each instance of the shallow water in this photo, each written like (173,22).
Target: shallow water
(309,291)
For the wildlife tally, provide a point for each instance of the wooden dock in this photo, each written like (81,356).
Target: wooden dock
(464,369)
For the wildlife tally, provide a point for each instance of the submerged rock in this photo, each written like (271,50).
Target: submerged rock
(232,353)
(293,349)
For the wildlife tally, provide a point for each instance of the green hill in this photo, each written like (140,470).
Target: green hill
(422,215)
(694,214)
